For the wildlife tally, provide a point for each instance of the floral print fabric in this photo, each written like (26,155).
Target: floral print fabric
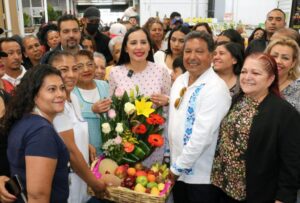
(229,169)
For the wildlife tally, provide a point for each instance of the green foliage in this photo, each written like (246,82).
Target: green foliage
(26,18)
(52,14)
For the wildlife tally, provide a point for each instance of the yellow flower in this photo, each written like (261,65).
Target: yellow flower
(143,107)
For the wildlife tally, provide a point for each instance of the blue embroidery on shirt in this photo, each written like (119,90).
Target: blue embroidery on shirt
(190,117)
(187,171)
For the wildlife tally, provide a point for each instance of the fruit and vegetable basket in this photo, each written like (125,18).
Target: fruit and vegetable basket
(131,130)
(134,184)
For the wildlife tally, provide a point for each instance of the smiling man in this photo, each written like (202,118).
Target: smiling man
(69,31)
(198,102)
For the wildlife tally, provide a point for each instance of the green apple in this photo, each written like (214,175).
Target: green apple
(142,180)
(151,185)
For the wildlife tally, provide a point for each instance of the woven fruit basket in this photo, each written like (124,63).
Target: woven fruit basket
(128,185)
(125,195)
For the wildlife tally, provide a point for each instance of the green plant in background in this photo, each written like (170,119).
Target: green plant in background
(52,14)
(26,18)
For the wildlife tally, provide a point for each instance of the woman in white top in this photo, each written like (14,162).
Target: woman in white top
(174,50)
(74,131)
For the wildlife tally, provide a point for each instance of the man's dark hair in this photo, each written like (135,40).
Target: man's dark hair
(278,9)
(201,35)
(7,39)
(66,17)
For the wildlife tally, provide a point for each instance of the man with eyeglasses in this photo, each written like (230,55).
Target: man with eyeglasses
(70,35)
(199,100)
(91,24)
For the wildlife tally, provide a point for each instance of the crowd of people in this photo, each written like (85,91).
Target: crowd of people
(232,109)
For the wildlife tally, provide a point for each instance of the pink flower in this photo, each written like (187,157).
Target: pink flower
(111,113)
(119,92)
(118,140)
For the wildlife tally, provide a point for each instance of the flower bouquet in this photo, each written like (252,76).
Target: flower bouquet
(132,128)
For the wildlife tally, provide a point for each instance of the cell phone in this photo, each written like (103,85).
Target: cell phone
(14,186)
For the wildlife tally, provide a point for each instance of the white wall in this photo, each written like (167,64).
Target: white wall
(250,11)
(187,8)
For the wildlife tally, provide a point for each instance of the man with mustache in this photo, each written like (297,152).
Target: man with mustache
(32,51)
(275,21)
(14,71)
(91,23)
(69,31)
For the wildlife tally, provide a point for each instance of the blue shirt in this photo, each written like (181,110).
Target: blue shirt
(33,135)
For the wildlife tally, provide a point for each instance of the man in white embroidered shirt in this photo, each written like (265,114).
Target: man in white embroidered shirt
(198,102)
(14,71)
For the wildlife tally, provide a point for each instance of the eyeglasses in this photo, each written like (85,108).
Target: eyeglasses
(180,98)
(88,65)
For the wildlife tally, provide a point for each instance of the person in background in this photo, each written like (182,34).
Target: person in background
(4,84)
(49,37)
(275,20)
(35,151)
(175,21)
(133,20)
(87,43)
(136,68)
(91,22)
(93,97)
(178,68)
(257,155)
(203,27)
(258,33)
(195,114)
(156,31)
(69,32)
(14,71)
(117,29)
(115,45)
(231,35)
(130,11)
(286,53)
(100,63)
(286,33)
(52,38)
(32,51)
(174,50)
(127,24)
(227,62)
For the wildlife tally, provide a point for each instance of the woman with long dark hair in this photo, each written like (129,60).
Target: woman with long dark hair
(174,50)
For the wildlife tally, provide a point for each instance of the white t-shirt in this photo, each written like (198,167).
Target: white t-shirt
(64,121)
(17,80)
(91,96)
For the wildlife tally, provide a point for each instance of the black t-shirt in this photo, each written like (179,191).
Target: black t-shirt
(102,41)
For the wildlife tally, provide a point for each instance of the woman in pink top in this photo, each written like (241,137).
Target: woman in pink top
(136,68)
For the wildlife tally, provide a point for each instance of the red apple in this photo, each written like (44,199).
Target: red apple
(121,171)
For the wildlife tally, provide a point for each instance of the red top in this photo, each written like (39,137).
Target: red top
(7,86)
